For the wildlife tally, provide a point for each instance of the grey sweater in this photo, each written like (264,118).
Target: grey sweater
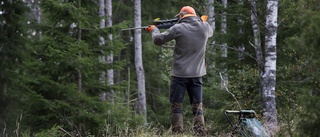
(190,35)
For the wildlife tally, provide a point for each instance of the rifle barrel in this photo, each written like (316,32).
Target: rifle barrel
(134,28)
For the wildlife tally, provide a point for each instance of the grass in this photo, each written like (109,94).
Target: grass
(58,131)
(107,131)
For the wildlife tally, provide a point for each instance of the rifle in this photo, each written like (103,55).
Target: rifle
(160,24)
(165,24)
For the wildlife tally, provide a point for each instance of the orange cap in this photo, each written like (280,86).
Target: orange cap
(188,10)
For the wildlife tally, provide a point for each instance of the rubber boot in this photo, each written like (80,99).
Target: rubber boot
(177,123)
(198,120)
(176,118)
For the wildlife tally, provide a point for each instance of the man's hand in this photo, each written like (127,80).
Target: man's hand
(150,27)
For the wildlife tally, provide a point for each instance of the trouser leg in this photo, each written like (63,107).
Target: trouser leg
(195,97)
(177,90)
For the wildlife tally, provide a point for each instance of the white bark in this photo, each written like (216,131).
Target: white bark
(138,61)
(211,20)
(102,43)
(224,45)
(224,28)
(211,14)
(110,74)
(269,76)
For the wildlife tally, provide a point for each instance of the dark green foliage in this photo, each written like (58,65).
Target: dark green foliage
(46,93)
(306,76)
(39,73)
(69,46)
(12,51)
(298,74)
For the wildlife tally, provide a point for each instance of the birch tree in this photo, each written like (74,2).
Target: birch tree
(109,58)
(267,62)
(269,76)
(105,12)
(212,21)
(211,15)
(224,28)
(224,51)
(138,61)
(102,43)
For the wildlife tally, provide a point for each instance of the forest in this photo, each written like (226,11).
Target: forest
(69,67)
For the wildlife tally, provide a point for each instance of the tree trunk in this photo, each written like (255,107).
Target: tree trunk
(211,47)
(224,45)
(138,61)
(257,37)
(79,39)
(241,47)
(224,28)
(211,15)
(102,43)
(269,76)
(110,74)
(257,41)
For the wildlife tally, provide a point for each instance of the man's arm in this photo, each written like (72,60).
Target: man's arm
(161,38)
(210,30)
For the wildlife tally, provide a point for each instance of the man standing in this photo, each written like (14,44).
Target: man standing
(191,35)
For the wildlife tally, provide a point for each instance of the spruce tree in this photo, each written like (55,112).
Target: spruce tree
(12,52)
(55,94)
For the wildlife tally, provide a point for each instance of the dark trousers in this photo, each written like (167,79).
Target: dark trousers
(179,86)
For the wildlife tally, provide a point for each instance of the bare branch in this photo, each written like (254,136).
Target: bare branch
(224,85)
(239,51)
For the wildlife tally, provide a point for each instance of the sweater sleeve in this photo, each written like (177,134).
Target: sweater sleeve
(161,38)
(210,30)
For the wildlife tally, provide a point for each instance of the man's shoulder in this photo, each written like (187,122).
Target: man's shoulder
(178,25)
(175,28)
